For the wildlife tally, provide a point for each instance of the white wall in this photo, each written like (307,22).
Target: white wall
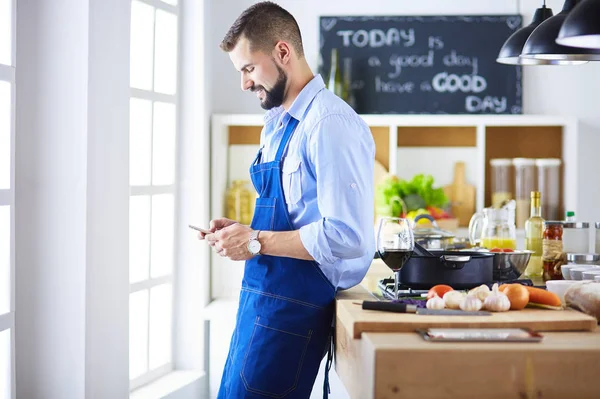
(50,200)
(551,90)
(71,199)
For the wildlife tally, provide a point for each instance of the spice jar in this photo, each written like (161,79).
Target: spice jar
(552,251)
(549,185)
(524,185)
(501,182)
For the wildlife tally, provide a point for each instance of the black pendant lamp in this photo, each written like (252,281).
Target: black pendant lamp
(582,26)
(512,48)
(542,41)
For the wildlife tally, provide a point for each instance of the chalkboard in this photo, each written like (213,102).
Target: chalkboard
(425,65)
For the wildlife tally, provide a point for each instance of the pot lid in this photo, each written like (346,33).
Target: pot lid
(431,232)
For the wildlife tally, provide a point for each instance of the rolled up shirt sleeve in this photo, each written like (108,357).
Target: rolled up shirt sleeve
(341,153)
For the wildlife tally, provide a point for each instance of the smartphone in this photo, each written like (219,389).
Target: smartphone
(199,229)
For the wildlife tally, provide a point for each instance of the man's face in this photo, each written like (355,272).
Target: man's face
(260,74)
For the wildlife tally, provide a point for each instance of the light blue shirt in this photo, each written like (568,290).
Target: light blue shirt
(327,180)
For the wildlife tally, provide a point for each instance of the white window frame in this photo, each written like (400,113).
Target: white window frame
(150,190)
(7,198)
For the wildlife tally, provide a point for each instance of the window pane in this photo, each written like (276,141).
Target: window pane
(139,238)
(5,361)
(138,333)
(162,235)
(5,155)
(160,325)
(171,2)
(142,43)
(165,57)
(140,142)
(5,33)
(163,144)
(4,260)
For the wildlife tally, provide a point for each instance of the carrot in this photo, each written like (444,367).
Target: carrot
(538,295)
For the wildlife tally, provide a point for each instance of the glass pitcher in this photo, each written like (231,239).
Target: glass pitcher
(494,227)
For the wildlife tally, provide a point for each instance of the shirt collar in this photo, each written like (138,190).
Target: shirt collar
(302,101)
(306,96)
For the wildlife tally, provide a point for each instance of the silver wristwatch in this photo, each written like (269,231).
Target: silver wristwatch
(253,243)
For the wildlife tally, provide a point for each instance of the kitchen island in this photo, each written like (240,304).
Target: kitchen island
(378,356)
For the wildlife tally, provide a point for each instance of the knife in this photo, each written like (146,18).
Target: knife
(404,308)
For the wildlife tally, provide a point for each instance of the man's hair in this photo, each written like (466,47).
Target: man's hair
(264,24)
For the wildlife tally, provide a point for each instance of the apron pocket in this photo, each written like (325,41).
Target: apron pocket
(291,179)
(274,357)
(264,214)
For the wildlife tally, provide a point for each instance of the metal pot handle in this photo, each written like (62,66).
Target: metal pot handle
(428,217)
(454,262)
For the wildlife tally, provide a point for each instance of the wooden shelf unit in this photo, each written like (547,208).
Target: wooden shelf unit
(524,142)
(483,136)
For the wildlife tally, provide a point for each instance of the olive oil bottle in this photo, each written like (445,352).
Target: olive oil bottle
(534,231)
(335,83)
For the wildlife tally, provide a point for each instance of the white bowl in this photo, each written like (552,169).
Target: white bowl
(589,275)
(559,287)
(566,269)
(577,273)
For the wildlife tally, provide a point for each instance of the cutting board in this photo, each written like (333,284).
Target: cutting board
(461,195)
(356,320)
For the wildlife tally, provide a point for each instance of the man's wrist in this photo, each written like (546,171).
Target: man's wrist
(253,245)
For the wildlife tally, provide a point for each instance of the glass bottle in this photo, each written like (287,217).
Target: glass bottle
(552,251)
(239,202)
(534,236)
(347,86)
(335,83)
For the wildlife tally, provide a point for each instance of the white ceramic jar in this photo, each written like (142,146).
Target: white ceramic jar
(597,238)
(576,237)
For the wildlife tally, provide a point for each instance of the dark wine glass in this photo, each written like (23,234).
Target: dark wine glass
(395,244)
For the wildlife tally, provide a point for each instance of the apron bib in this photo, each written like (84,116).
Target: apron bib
(284,320)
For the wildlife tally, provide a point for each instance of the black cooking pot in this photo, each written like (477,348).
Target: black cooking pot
(460,270)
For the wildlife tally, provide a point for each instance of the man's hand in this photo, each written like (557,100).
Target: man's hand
(231,241)
(217,224)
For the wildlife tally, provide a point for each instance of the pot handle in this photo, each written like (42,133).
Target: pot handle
(428,217)
(454,262)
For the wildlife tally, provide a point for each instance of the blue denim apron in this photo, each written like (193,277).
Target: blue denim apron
(283,327)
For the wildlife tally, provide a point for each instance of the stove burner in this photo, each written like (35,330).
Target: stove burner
(387,289)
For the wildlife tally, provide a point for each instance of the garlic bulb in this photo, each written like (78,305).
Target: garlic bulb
(453,298)
(481,292)
(435,303)
(471,303)
(497,301)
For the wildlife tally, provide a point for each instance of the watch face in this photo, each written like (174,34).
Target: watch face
(254,247)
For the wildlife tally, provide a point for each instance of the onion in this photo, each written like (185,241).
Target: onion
(517,295)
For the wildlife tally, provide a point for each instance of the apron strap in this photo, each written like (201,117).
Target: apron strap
(289,129)
(329,361)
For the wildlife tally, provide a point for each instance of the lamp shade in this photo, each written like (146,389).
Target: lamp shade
(512,48)
(582,26)
(541,44)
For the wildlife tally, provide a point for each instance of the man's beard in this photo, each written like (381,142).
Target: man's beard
(275,96)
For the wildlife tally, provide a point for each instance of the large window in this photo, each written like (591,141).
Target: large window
(153,142)
(7,162)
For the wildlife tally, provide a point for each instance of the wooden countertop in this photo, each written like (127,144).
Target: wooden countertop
(356,320)
(378,355)
(402,365)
